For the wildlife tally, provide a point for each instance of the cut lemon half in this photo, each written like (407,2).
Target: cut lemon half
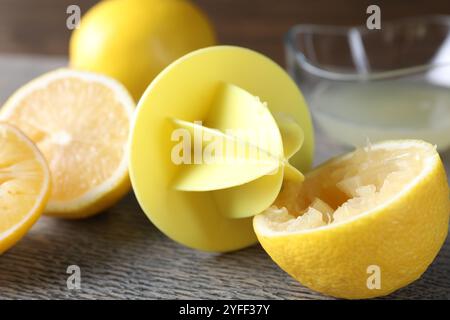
(80,121)
(363,224)
(24,185)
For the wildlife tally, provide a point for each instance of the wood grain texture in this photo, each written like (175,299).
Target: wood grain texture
(123,256)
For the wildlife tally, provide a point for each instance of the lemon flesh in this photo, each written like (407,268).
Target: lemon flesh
(24,185)
(386,206)
(81,122)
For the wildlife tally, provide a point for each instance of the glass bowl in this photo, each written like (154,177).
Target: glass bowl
(382,84)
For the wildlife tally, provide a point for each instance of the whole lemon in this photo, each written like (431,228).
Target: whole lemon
(133,40)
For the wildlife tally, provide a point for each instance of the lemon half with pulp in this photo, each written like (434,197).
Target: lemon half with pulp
(361,225)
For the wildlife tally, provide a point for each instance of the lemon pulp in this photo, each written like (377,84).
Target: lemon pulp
(80,121)
(24,185)
(364,180)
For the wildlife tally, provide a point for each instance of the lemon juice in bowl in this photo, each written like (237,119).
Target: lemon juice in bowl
(382,84)
(353,112)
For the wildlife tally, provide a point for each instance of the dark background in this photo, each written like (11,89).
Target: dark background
(38,26)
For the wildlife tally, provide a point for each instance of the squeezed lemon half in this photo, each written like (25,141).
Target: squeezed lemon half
(385,206)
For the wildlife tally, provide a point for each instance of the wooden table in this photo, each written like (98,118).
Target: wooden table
(122,255)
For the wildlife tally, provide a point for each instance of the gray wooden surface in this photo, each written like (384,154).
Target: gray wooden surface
(123,256)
